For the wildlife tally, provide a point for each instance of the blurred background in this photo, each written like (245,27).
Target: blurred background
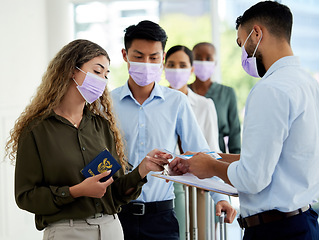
(33,31)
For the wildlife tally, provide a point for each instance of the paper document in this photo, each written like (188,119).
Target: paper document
(212,154)
(209,184)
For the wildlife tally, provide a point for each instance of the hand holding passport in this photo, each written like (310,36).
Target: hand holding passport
(101,163)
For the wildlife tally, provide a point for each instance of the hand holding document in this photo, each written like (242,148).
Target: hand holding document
(155,160)
(175,160)
(180,173)
(187,156)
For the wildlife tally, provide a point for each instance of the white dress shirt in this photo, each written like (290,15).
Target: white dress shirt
(206,116)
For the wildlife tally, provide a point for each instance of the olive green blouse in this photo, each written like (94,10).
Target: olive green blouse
(51,153)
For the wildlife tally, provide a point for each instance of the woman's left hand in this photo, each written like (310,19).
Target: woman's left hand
(154,161)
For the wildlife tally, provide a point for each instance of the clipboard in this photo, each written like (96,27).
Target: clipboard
(208,184)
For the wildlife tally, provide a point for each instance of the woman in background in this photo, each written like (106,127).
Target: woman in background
(178,69)
(224,97)
(66,125)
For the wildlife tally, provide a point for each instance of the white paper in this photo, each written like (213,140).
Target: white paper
(209,184)
(212,154)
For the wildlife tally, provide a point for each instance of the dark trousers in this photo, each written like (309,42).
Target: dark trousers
(300,227)
(151,226)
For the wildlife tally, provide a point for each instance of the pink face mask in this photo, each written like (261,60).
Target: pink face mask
(177,77)
(204,69)
(92,87)
(145,73)
(249,64)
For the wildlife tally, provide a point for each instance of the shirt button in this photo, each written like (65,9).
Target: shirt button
(141,125)
(140,108)
(63,193)
(142,143)
(83,148)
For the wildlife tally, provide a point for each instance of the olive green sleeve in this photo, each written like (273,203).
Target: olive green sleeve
(131,181)
(31,193)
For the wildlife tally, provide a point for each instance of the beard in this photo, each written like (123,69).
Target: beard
(260,66)
(259,59)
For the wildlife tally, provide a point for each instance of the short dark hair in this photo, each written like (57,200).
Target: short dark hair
(275,16)
(180,48)
(204,43)
(144,30)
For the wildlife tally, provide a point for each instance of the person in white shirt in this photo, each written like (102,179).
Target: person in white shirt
(178,69)
(276,174)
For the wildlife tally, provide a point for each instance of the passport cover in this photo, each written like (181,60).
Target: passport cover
(101,163)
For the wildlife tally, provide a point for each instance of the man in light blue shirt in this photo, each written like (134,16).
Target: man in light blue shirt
(153,116)
(277,173)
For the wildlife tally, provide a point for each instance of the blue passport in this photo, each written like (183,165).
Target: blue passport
(101,163)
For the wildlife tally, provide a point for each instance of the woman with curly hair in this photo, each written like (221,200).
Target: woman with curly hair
(67,124)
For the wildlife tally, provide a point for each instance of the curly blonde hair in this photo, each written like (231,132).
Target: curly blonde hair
(51,91)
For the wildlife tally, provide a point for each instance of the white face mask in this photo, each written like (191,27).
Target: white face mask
(145,73)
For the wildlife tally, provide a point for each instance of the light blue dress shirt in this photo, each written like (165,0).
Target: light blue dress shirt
(278,167)
(156,124)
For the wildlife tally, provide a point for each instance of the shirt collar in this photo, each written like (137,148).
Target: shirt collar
(157,92)
(282,62)
(125,92)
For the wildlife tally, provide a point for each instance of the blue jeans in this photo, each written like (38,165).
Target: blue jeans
(300,227)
